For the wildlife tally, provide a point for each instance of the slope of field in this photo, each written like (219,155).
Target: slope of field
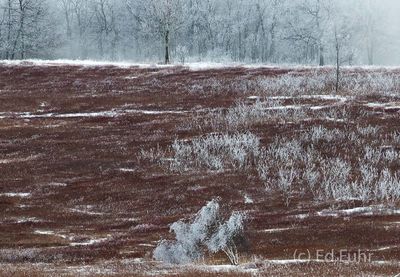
(88,182)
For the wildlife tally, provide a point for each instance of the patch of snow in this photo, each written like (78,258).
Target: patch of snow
(126,170)
(89,242)
(222,268)
(366,211)
(298,107)
(146,245)
(316,108)
(143,227)
(89,270)
(387,263)
(28,220)
(375,105)
(301,216)
(334,119)
(288,107)
(86,211)
(42,232)
(60,62)
(111,113)
(19,160)
(387,248)
(281,97)
(196,188)
(386,106)
(297,261)
(49,233)
(16,194)
(276,230)
(309,96)
(55,184)
(325,97)
(155,112)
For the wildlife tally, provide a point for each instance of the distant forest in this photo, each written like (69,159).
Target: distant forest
(248,31)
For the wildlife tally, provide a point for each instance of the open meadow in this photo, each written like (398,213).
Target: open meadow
(97,162)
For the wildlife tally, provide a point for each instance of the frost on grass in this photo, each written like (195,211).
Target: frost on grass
(314,162)
(216,152)
(206,232)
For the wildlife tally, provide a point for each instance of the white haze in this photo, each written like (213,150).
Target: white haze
(245,31)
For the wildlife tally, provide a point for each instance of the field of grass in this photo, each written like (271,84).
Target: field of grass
(98,161)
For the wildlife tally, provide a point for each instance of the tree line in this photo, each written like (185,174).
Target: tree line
(257,31)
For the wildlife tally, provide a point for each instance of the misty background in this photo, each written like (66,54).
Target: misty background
(249,31)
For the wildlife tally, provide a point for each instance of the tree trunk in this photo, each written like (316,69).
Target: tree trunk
(167,47)
(232,254)
(9,27)
(22,37)
(321,55)
(370,52)
(337,62)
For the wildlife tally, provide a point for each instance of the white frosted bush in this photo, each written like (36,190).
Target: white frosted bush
(388,187)
(372,155)
(368,131)
(311,176)
(216,152)
(207,231)
(391,155)
(189,237)
(335,180)
(224,238)
(286,178)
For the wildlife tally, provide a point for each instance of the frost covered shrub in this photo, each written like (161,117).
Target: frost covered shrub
(395,137)
(263,166)
(317,82)
(219,86)
(388,187)
(314,162)
(243,115)
(320,133)
(335,180)
(312,176)
(224,236)
(286,178)
(367,131)
(207,231)
(312,82)
(286,151)
(152,155)
(278,166)
(189,237)
(216,152)
(362,83)
(297,84)
(372,155)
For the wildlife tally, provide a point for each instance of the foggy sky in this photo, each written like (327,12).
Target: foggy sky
(132,37)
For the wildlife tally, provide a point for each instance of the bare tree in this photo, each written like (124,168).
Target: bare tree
(27,28)
(83,17)
(287,31)
(162,17)
(342,30)
(309,27)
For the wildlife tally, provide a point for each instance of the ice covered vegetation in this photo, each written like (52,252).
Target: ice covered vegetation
(206,232)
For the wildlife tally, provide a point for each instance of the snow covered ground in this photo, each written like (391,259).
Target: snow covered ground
(195,66)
